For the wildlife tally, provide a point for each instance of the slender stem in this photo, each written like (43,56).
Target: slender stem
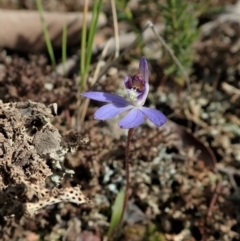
(127,150)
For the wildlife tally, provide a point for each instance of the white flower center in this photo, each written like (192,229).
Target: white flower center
(133,94)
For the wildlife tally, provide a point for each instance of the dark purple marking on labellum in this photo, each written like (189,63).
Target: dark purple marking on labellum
(138,83)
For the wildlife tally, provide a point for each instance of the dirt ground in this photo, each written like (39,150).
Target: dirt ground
(184,175)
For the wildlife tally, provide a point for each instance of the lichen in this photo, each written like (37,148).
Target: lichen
(31,159)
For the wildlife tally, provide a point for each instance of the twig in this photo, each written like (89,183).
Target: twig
(103,55)
(115,23)
(228,170)
(215,84)
(214,199)
(124,41)
(64,238)
(164,44)
(122,54)
(83,110)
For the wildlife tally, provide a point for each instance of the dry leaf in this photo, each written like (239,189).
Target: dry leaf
(188,140)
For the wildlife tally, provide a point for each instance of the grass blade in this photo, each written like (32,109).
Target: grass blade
(96,11)
(83,47)
(45,33)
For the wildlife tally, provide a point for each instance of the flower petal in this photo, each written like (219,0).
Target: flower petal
(154,116)
(133,119)
(142,98)
(143,68)
(106,97)
(109,111)
(127,81)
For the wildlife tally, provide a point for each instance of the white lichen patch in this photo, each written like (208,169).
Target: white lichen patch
(71,194)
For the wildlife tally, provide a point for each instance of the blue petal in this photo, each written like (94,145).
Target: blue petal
(154,116)
(133,119)
(106,97)
(109,111)
(143,68)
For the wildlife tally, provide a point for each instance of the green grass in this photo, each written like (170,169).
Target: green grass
(45,33)
(87,41)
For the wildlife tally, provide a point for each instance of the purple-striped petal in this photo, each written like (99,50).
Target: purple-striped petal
(106,97)
(109,111)
(142,98)
(143,68)
(133,119)
(154,116)
(127,82)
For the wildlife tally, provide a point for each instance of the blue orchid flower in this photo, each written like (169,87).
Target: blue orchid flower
(137,88)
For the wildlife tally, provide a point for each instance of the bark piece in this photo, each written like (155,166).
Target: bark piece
(22,30)
(31,155)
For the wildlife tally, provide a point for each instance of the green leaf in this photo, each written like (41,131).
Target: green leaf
(116,212)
